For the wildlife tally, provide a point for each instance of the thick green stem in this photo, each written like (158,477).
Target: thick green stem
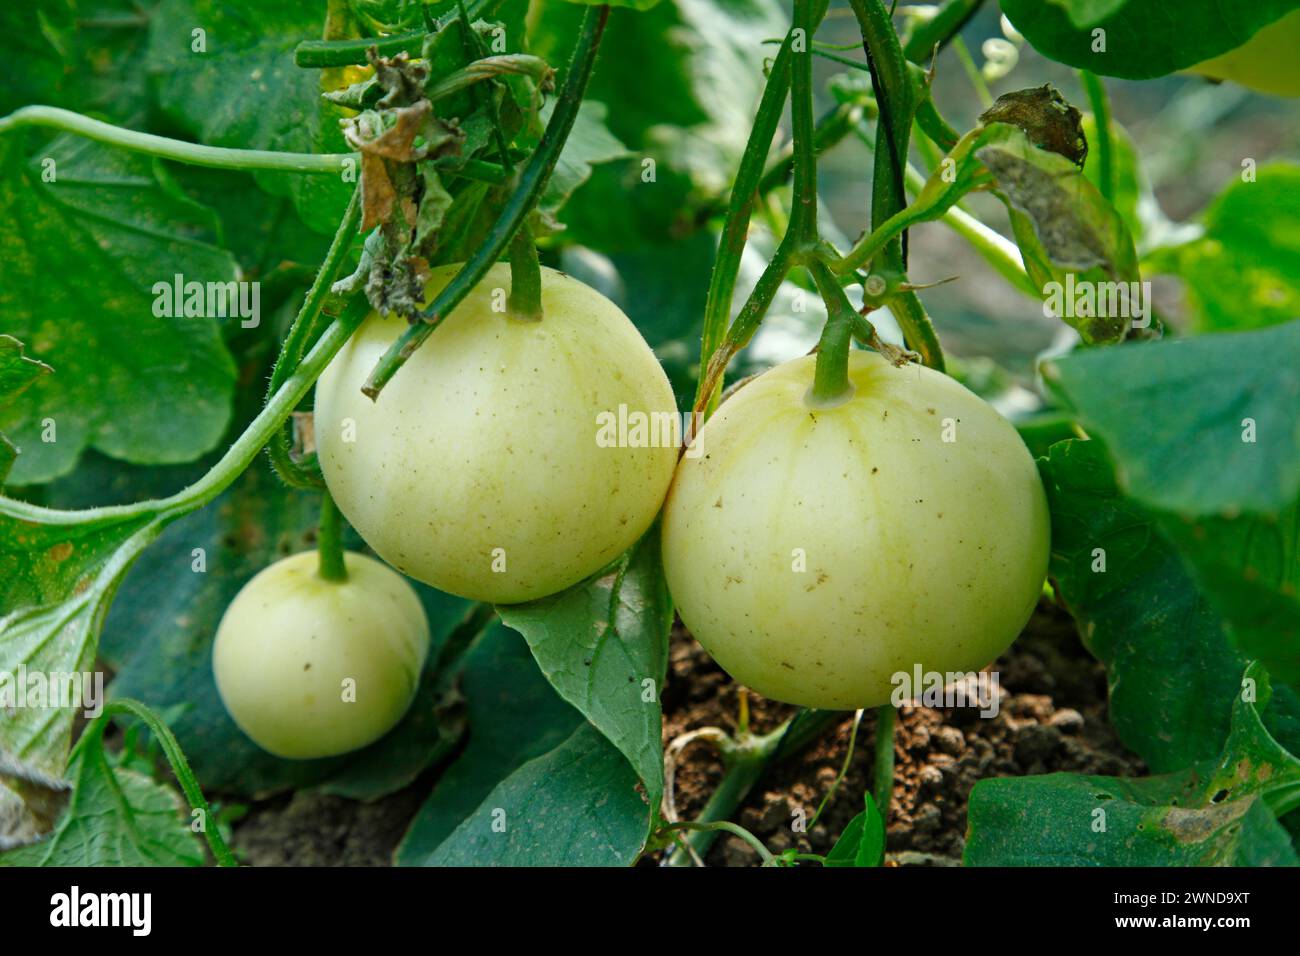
(831,385)
(1099,102)
(329,541)
(918,331)
(323,53)
(939,29)
(884,766)
(720,342)
(895,99)
(874,242)
(525,278)
(326,53)
(803,216)
(735,229)
(193,153)
(934,126)
(746,323)
(831,128)
(532,181)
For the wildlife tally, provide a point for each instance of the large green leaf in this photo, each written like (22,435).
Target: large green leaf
(58,575)
(262,231)
(244,90)
(1172,671)
(1048,821)
(78,54)
(1243,271)
(1248,567)
(514,716)
(579,804)
(82,253)
(1220,813)
(1140,38)
(115,817)
(17,373)
(34,62)
(1201,426)
(603,645)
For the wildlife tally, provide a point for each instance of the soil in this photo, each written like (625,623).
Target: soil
(1052,717)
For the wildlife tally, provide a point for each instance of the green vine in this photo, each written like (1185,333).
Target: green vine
(175,757)
(195,154)
(305,328)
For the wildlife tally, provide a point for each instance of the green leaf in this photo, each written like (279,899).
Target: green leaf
(1248,567)
(17,372)
(514,716)
(1142,38)
(115,817)
(77,54)
(1084,13)
(1200,426)
(863,841)
(1243,272)
(1049,820)
(57,580)
(688,108)
(1170,665)
(589,143)
(389,16)
(263,232)
(1064,226)
(34,55)
(577,805)
(1219,813)
(135,386)
(243,90)
(603,645)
